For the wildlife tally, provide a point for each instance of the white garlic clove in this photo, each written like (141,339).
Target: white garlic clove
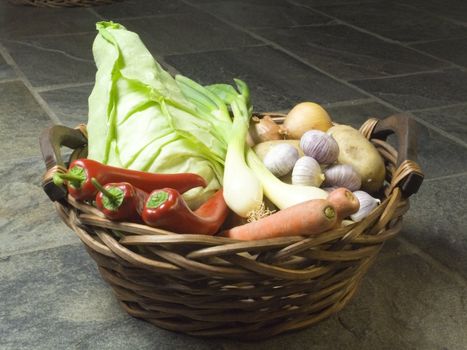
(307,172)
(342,175)
(281,159)
(320,146)
(367,204)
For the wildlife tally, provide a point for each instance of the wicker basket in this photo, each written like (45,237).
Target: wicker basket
(215,286)
(62,3)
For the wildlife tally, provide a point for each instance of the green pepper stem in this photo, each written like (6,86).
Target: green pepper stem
(101,188)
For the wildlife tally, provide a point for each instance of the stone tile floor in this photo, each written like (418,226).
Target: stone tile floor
(359,58)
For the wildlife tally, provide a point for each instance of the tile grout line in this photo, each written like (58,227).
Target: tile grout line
(31,251)
(403,75)
(445,177)
(298,58)
(22,77)
(413,248)
(11,80)
(429,12)
(378,36)
(53,87)
(438,130)
(429,109)
(342,81)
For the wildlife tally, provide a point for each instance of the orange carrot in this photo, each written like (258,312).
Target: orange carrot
(307,218)
(344,202)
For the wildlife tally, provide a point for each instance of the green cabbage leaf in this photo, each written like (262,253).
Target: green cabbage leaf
(141,118)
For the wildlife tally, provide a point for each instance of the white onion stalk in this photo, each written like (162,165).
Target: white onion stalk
(280,193)
(243,192)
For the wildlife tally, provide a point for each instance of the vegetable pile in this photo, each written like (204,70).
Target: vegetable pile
(170,153)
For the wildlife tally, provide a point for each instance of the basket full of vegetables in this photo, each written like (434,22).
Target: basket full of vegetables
(212,220)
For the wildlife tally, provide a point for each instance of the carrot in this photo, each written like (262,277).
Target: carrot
(344,202)
(307,218)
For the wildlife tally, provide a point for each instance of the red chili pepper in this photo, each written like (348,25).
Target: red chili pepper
(120,201)
(167,209)
(81,171)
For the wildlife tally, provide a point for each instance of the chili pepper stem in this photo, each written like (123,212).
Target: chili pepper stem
(112,197)
(69,177)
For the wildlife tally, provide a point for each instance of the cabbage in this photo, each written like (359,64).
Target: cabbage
(139,117)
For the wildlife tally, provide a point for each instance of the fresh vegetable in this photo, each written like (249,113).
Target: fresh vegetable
(264,129)
(307,218)
(263,148)
(344,202)
(306,116)
(357,151)
(320,146)
(281,159)
(367,204)
(81,171)
(140,117)
(120,201)
(307,172)
(342,175)
(281,194)
(166,209)
(243,192)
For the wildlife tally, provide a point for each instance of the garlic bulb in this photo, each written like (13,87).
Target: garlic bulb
(367,204)
(307,172)
(281,159)
(342,175)
(320,146)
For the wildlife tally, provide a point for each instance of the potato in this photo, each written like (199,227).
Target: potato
(357,151)
(261,149)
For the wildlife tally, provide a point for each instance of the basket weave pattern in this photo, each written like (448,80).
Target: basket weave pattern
(215,286)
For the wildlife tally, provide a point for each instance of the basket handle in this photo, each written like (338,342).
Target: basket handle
(51,140)
(408,175)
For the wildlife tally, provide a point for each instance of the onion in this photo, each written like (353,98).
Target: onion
(306,116)
(264,129)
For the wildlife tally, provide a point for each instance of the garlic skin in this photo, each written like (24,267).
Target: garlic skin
(342,175)
(281,159)
(307,172)
(367,204)
(320,146)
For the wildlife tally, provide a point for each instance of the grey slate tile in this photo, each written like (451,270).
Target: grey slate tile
(28,220)
(20,21)
(54,60)
(419,91)
(276,81)
(6,71)
(349,54)
(356,115)
(330,2)
(183,33)
(450,119)
(437,221)
(452,9)
(135,334)
(21,120)
(403,302)
(69,104)
(250,15)
(53,299)
(136,8)
(454,50)
(396,21)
